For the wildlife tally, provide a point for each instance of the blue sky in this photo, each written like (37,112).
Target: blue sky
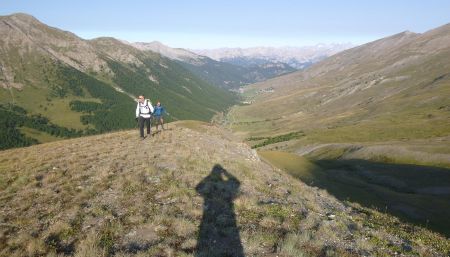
(232,23)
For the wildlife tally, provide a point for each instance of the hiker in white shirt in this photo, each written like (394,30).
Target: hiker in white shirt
(144,111)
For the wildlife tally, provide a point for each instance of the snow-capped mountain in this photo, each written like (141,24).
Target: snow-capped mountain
(297,57)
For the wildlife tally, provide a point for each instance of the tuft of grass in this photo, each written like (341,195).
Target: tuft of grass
(292,245)
(89,247)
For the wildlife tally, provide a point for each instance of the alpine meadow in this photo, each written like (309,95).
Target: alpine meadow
(237,129)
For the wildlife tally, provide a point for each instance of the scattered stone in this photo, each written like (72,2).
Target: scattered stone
(407,247)
(304,212)
(331,216)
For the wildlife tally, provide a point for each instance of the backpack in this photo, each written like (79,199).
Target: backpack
(146,105)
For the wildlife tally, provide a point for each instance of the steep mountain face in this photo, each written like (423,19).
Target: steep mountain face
(136,71)
(223,74)
(83,87)
(266,70)
(296,57)
(192,190)
(25,42)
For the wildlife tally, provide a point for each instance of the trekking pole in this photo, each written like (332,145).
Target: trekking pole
(167,126)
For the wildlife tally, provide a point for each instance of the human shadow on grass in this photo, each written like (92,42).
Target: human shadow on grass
(218,233)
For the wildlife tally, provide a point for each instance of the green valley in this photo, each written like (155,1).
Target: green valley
(374,121)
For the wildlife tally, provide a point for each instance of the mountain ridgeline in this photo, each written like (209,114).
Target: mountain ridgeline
(87,86)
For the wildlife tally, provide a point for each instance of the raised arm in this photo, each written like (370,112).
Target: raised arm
(230,177)
(150,106)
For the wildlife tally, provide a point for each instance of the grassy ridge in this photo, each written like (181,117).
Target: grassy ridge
(60,199)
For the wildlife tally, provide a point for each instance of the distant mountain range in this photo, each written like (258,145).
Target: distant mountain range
(231,68)
(296,57)
(225,74)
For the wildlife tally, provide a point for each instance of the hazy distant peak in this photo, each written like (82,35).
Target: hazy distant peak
(106,39)
(406,33)
(179,54)
(264,50)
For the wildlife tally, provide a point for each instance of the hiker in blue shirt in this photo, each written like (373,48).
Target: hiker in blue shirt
(158,115)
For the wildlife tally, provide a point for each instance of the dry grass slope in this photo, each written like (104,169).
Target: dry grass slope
(115,195)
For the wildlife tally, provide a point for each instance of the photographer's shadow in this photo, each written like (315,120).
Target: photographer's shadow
(219,234)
